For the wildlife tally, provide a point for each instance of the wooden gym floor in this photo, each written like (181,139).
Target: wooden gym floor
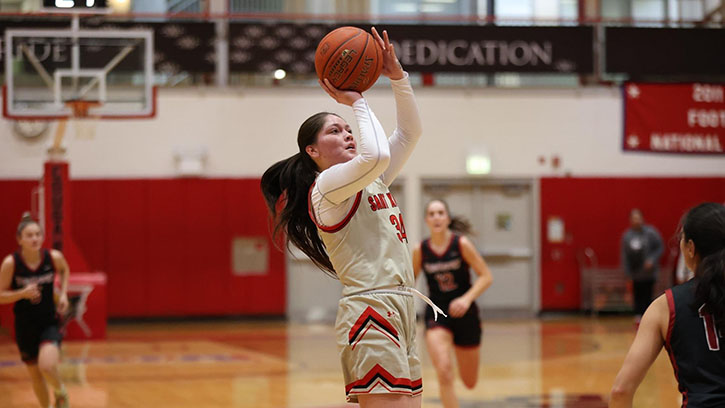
(566,362)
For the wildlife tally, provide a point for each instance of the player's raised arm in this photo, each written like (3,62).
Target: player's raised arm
(409,127)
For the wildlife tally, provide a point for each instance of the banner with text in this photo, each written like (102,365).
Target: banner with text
(674,118)
(264,47)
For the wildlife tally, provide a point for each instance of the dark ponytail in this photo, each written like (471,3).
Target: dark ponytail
(705,226)
(25,220)
(285,187)
(711,287)
(458,224)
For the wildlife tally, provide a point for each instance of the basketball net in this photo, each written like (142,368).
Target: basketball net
(84,123)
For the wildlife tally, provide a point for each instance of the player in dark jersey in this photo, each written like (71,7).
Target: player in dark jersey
(688,320)
(446,258)
(26,279)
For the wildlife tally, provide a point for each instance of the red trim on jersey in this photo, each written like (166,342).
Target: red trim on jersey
(372,326)
(417,385)
(671,306)
(340,225)
(42,251)
(368,317)
(379,376)
(450,243)
(668,343)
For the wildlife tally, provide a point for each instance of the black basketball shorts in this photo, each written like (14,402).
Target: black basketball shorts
(466,329)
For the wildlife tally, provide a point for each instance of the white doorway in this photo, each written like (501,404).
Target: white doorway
(502,214)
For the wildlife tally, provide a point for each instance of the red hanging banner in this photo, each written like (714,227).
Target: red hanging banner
(674,118)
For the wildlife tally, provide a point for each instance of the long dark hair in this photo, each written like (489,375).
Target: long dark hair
(286,185)
(705,226)
(458,224)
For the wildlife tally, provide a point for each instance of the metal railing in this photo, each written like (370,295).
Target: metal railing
(185,6)
(568,12)
(260,6)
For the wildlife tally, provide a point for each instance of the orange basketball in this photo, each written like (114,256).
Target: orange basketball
(349,58)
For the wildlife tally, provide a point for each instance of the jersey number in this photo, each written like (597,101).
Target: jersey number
(711,332)
(446,282)
(397,221)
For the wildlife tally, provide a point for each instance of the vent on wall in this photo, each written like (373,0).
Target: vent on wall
(250,256)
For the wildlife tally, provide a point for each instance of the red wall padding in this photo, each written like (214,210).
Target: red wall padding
(596,213)
(15,199)
(166,245)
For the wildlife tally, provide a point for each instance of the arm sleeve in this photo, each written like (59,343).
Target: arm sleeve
(408,130)
(334,186)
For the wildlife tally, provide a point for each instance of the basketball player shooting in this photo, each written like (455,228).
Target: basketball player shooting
(337,209)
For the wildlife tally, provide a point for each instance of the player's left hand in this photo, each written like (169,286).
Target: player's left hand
(391,66)
(458,307)
(62,305)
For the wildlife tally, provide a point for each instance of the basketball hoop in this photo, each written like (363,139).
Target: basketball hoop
(84,122)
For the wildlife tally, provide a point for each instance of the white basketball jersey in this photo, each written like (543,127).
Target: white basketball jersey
(369,247)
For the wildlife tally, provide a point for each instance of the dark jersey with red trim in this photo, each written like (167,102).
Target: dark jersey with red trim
(42,312)
(447,273)
(696,348)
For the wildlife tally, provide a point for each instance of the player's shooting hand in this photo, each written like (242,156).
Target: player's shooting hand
(391,66)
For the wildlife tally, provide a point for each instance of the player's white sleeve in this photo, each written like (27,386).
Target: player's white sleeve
(408,130)
(334,187)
